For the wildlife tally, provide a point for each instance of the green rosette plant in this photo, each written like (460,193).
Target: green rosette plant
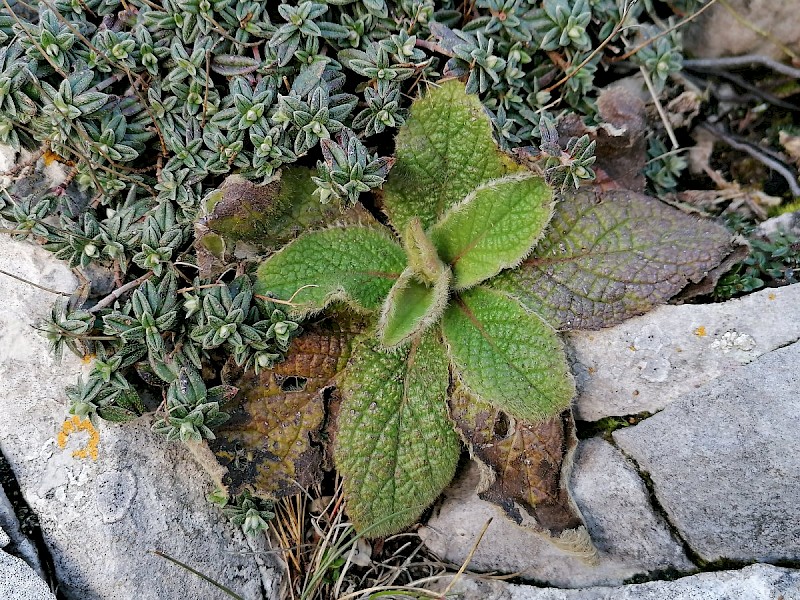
(455,302)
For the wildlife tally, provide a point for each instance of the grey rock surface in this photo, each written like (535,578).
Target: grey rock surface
(647,362)
(736,28)
(724,461)
(786,223)
(756,582)
(631,539)
(102,519)
(18,543)
(19,582)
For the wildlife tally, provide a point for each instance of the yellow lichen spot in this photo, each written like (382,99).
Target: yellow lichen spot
(772,296)
(76,424)
(87,358)
(50,157)
(700,331)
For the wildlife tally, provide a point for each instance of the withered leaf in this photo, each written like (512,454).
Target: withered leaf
(267,215)
(611,255)
(527,463)
(621,150)
(269,444)
(706,285)
(247,219)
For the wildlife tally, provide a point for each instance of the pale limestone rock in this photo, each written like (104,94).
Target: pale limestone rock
(724,461)
(631,539)
(21,545)
(19,582)
(718,32)
(757,582)
(647,362)
(102,519)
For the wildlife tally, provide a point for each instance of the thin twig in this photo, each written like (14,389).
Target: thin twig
(119,291)
(668,153)
(433,47)
(36,285)
(744,84)
(16,231)
(742,61)
(768,161)
(199,287)
(24,164)
(661,112)
(78,336)
(289,301)
(274,300)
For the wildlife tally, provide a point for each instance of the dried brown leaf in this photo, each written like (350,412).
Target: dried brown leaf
(621,151)
(527,463)
(269,444)
(790,143)
(706,285)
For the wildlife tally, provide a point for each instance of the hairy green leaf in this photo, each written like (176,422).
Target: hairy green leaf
(395,446)
(357,264)
(443,152)
(493,228)
(507,356)
(423,257)
(610,255)
(411,307)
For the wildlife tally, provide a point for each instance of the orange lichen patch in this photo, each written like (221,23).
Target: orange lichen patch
(771,296)
(51,157)
(76,424)
(87,358)
(700,331)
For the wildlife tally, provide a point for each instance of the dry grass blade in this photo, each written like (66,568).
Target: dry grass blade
(331,547)
(288,530)
(36,285)
(318,544)
(228,591)
(392,591)
(660,108)
(468,559)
